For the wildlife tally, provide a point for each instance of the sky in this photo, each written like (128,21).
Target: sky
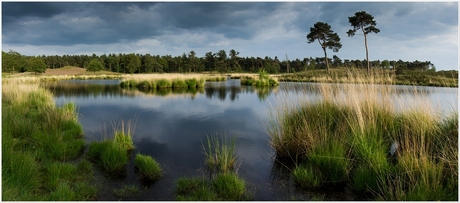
(424,31)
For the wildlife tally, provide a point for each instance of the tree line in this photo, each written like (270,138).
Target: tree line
(218,62)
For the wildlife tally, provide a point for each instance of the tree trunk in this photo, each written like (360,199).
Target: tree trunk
(367,54)
(325,58)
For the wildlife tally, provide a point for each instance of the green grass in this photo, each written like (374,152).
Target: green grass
(147,167)
(347,141)
(108,156)
(219,153)
(332,160)
(194,189)
(124,137)
(179,83)
(306,176)
(163,83)
(41,144)
(229,186)
(123,140)
(223,187)
(126,191)
(262,81)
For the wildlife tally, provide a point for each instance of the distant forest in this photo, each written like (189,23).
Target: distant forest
(215,62)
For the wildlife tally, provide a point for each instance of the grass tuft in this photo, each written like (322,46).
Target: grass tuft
(109,156)
(229,187)
(219,153)
(147,167)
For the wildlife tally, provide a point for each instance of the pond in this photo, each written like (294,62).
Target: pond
(171,126)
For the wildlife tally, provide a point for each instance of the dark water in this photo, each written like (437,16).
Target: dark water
(171,126)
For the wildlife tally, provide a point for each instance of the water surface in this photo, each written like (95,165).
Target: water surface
(172,125)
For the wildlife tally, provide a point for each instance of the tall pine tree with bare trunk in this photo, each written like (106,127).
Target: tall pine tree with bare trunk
(366,23)
(326,38)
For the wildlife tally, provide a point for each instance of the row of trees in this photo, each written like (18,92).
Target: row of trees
(15,62)
(217,62)
(328,39)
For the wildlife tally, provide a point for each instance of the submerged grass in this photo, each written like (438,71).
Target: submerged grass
(126,191)
(223,187)
(361,140)
(41,144)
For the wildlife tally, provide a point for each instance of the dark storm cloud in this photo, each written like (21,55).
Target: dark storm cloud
(14,10)
(230,19)
(76,23)
(88,23)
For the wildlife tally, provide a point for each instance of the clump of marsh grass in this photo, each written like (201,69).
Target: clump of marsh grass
(219,153)
(223,187)
(148,82)
(124,137)
(349,134)
(262,81)
(147,167)
(225,184)
(229,186)
(108,156)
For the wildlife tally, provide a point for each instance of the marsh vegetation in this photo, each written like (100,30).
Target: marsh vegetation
(348,130)
(360,141)
(224,184)
(41,147)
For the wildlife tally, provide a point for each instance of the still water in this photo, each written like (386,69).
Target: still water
(172,125)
